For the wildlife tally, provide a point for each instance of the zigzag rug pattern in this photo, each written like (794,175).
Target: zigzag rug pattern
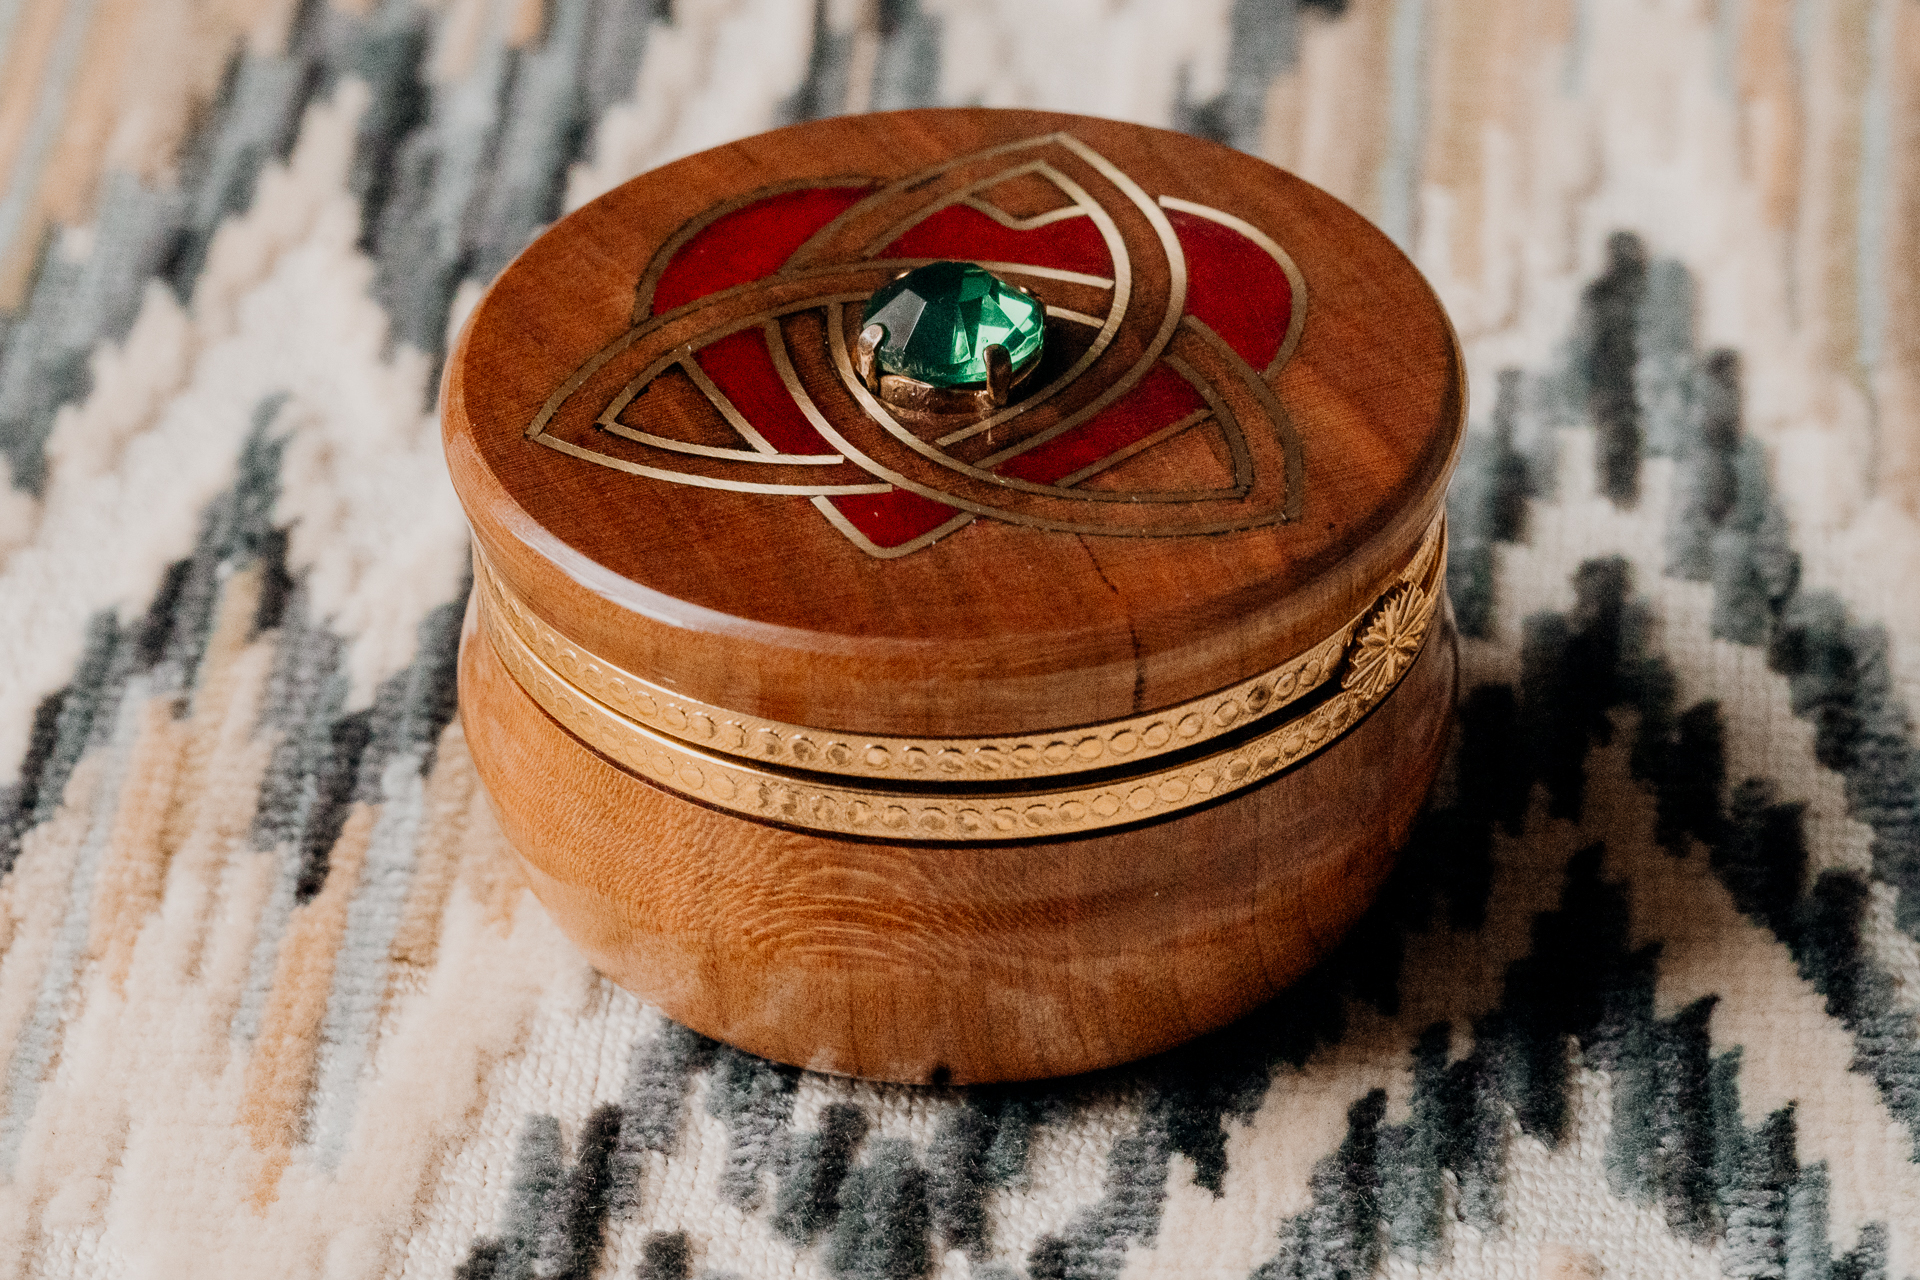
(1643,997)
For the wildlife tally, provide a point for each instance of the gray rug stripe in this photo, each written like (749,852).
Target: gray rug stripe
(34,1050)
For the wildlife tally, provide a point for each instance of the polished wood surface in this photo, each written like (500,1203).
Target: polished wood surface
(956,964)
(756,603)
(698,533)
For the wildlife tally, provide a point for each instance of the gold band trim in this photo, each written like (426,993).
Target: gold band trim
(1051,754)
(1375,653)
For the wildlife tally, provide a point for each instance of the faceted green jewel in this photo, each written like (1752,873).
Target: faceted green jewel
(941,318)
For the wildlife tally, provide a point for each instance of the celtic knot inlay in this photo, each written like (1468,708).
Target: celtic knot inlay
(736,371)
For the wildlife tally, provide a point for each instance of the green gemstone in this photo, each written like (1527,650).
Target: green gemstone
(941,318)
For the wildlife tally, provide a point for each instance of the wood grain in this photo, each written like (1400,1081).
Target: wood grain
(1303,491)
(943,963)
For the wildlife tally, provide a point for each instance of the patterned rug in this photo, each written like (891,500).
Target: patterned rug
(1643,998)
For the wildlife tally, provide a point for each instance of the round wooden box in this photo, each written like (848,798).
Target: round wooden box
(1028,734)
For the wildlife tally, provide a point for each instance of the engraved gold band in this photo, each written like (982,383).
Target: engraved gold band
(1039,755)
(1370,655)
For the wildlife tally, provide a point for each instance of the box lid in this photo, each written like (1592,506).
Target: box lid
(1237,435)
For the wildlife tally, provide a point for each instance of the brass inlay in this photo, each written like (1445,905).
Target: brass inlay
(655,733)
(1295,281)
(1269,479)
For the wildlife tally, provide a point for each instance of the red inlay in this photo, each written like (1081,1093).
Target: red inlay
(1160,399)
(740,366)
(1234,287)
(1073,244)
(748,243)
(893,518)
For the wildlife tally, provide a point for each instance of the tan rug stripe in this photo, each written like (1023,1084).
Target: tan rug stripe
(134,867)
(437,1072)
(1330,137)
(1897,384)
(95,99)
(453,804)
(1828,243)
(285,1052)
(1771,124)
(153,1046)
(23,66)
(55,1142)
(27,896)
(149,66)
(226,758)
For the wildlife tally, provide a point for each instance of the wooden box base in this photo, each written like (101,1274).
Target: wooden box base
(940,963)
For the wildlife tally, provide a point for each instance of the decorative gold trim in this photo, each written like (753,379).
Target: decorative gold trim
(1390,642)
(1283,428)
(853,534)
(921,402)
(705,482)
(1297,319)
(1392,632)
(798,267)
(1121,284)
(1032,222)
(982,490)
(1016,758)
(657,266)
(1176,258)
(762,450)
(1074,317)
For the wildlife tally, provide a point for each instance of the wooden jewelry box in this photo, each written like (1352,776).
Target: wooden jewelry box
(1003,669)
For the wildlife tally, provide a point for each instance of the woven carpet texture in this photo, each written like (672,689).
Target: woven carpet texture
(1642,1000)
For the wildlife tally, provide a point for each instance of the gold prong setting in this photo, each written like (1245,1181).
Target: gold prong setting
(915,398)
(866,356)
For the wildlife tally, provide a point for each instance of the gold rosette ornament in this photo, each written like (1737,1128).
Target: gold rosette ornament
(1389,643)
